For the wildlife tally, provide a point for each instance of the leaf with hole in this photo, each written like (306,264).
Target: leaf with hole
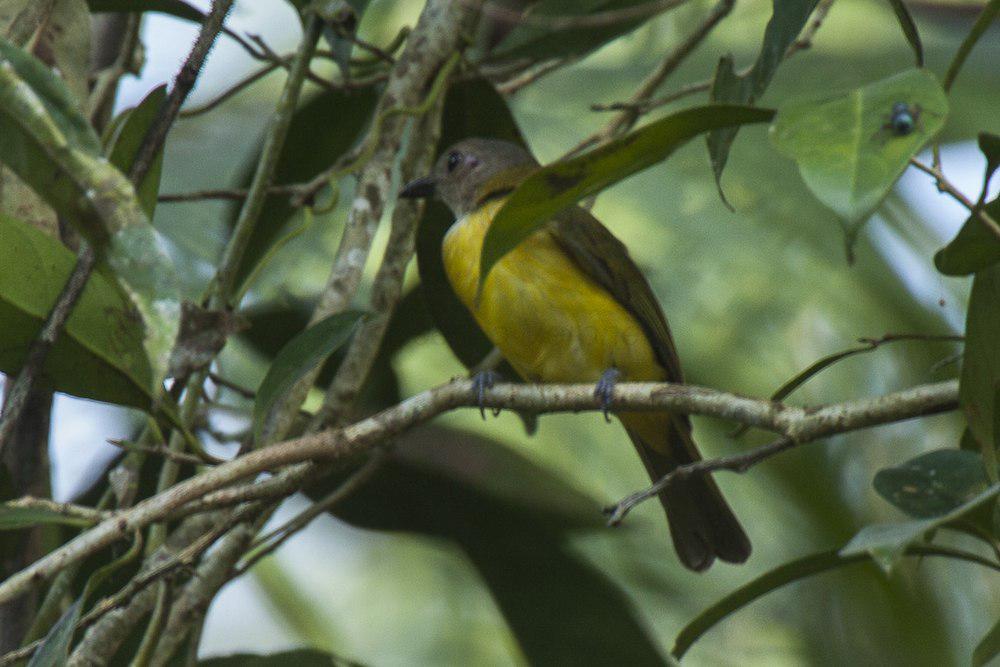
(934,483)
(846,149)
(306,351)
(887,542)
(558,186)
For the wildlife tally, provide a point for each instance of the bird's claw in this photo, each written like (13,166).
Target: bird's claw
(482,381)
(604,390)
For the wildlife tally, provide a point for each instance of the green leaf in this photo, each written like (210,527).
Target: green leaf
(846,154)
(989,144)
(176,8)
(988,647)
(973,249)
(533,38)
(786,574)
(788,17)
(933,484)
(909,29)
(886,542)
(303,353)
(100,354)
(304,657)
(510,517)
(126,138)
(13,517)
(54,651)
(980,379)
(560,185)
(983,21)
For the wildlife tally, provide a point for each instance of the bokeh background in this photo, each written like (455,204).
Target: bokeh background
(753,296)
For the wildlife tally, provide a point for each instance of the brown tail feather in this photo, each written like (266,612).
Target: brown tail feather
(702,525)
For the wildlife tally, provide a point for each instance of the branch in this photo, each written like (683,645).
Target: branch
(946,186)
(799,424)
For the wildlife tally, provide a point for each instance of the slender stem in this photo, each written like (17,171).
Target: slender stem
(946,186)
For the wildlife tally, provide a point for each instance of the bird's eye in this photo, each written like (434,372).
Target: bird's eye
(454,158)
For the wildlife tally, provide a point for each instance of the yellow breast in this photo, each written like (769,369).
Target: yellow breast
(550,320)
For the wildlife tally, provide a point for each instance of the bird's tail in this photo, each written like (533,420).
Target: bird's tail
(702,525)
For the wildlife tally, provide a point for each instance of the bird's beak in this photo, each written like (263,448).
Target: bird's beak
(419,188)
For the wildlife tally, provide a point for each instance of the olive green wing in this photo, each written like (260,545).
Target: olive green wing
(606,260)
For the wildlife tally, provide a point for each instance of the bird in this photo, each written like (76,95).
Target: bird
(569,305)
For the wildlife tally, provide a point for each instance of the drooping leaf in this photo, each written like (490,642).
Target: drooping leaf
(886,542)
(181,10)
(310,147)
(983,21)
(988,647)
(560,28)
(13,517)
(846,153)
(54,651)
(126,138)
(303,657)
(509,515)
(560,185)
(933,484)
(100,354)
(973,249)
(303,353)
(909,29)
(788,17)
(980,379)
(786,574)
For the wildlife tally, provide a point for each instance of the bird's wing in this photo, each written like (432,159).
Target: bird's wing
(606,261)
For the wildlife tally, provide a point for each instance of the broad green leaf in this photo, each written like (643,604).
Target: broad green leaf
(989,144)
(303,353)
(304,657)
(980,379)
(305,153)
(54,651)
(100,354)
(510,517)
(909,29)
(983,21)
(127,137)
(786,574)
(176,8)
(534,36)
(846,154)
(50,146)
(933,484)
(886,542)
(560,185)
(988,648)
(13,517)
(788,17)
(471,109)
(974,248)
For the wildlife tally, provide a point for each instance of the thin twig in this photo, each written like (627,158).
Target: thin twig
(18,392)
(152,143)
(946,186)
(799,424)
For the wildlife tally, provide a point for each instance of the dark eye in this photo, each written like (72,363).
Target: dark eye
(454,159)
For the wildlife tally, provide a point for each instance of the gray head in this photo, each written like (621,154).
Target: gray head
(473,171)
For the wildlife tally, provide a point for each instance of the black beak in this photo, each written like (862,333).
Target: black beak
(419,188)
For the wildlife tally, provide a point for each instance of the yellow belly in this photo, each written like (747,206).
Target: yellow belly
(548,318)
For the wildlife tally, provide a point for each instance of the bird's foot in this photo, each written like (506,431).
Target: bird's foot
(605,389)
(482,381)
